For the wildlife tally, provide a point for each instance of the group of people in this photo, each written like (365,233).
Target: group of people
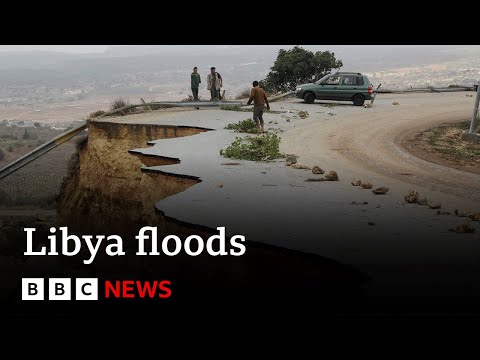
(215,83)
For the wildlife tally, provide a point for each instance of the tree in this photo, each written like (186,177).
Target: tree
(2,154)
(26,135)
(298,66)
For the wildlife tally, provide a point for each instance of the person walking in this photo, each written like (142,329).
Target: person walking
(214,84)
(195,78)
(259,98)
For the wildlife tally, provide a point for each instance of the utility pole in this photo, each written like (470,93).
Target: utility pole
(473,125)
(470,135)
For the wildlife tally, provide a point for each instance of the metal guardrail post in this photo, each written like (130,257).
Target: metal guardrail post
(41,150)
(473,124)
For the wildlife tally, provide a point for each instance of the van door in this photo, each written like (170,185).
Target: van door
(351,85)
(328,89)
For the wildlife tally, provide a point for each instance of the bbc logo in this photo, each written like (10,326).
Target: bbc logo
(60,289)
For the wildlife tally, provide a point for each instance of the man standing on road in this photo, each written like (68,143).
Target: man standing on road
(195,77)
(214,84)
(259,98)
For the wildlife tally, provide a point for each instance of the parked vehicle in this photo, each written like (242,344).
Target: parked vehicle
(339,86)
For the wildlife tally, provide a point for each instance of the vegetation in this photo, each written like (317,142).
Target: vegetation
(245,94)
(95,114)
(245,109)
(446,140)
(298,66)
(26,135)
(2,154)
(258,148)
(190,98)
(234,108)
(303,114)
(118,103)
(245,126)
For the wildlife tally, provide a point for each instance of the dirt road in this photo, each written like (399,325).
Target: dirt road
(365,143)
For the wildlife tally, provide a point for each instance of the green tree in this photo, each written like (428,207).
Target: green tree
(298,66)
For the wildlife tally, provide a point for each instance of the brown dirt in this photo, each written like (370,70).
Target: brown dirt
(443,145)
(109,189)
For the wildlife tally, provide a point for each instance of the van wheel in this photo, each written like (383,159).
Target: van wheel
(358,100)
(309,97)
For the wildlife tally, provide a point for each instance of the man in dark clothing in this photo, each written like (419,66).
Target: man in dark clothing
(195,77)
(259,98)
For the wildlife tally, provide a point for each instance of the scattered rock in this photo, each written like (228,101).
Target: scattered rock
(303,114)
(288,120)
(395,103)
(317,170)
(288,163)
(439,212)
(291,159)
(300,166)
(380,190)
(475,216)
(422,201)
(369,105)
(366,185)
(356,182)
(411,196)
(461,213)
(332,176)
(434,205)
(315,179)
(371,223)
(464,228)
(220,185)
(359,203)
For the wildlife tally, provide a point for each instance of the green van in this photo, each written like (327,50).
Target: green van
(339,86)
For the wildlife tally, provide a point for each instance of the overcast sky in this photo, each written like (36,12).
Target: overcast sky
(101,48)
(60,48)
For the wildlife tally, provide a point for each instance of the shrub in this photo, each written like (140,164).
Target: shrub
(2,154)
(259,148)
(234,108)
(188,98)
(245,94)
(245,126)
(96,114)
(118,103)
